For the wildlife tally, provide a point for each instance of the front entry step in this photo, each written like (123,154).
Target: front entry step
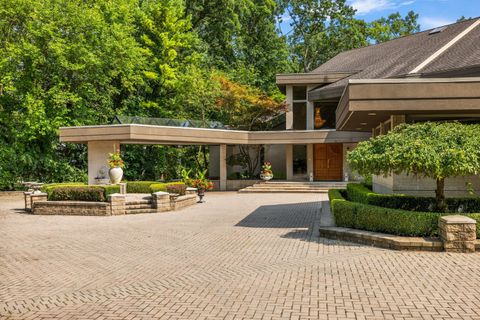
(293,187)
(139,204)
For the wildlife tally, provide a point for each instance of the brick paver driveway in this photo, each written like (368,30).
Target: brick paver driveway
(238,256)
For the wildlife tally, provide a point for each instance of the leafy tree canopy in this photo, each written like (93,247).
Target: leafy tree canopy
(433,150)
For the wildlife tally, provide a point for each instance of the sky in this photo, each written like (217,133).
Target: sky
(432,13)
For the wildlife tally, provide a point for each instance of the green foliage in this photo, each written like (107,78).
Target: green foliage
(357,215)
(48,188)
(395,221)
(78,192)
(429,149)
(163,186)
(322,29)
(139,186)
(360,193)
(476,217)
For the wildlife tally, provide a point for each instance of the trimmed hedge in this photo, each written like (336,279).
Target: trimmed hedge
(360,193)
(163,186)
(358,215)
(64,192)
(378,219)
(48,188)
(139,186)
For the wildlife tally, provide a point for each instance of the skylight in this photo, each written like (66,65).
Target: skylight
(438,30)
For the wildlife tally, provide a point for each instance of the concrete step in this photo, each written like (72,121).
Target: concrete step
(138,202)
(138,206)
(137,211)
(294,187)
(297,187)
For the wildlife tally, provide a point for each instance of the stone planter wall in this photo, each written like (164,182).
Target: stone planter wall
(183,201)
(72,208)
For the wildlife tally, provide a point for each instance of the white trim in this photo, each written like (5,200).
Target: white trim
(445,47)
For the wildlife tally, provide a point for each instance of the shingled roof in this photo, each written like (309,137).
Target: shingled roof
(398,58)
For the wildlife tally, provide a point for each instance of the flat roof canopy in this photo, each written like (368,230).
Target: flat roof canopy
(151,134)
(366,103)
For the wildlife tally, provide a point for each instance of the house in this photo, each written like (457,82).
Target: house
(431,75)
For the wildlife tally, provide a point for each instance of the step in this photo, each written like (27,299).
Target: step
(138,206)
(137,202)
(296,187)
(137,211)
(272,190)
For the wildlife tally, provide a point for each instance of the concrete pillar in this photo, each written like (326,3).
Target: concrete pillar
(289,113)
(458,233)
(223,167)
(310,169)
(98,153)
(289,161)
(214,161)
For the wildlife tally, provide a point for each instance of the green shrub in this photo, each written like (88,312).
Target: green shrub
(139,186)
(78,193)
(65,191)
(180,189)
(156,187)
(360,193)
(362,216)
(48,188)
(396,221)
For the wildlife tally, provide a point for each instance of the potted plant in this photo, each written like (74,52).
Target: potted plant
(267,173)
(116,167)
(202,184)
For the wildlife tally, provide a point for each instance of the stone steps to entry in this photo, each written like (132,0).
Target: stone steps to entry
(293,187)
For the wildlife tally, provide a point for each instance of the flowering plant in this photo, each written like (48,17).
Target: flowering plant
(267,169)
(202,183)
(115,160)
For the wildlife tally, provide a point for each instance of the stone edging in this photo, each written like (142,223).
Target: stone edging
(382,240)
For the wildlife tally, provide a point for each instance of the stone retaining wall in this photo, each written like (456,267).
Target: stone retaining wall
(183,201)
(77,208)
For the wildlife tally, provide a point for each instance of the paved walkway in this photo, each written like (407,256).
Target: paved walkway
(237,256)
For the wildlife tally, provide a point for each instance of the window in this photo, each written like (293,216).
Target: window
(324,116)
(299,93)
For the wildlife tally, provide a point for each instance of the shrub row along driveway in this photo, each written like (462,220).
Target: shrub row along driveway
(238,256)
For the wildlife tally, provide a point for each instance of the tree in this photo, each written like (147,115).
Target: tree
(393,26)
(247,108)
(432,150)
(323,28)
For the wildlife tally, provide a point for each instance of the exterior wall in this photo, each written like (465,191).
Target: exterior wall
(98,153)
(276,155)
(214,161)
(454,187)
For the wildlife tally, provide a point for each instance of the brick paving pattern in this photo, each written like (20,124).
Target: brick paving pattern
(237,256)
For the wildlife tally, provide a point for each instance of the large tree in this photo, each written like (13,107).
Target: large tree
(323,28)
(433,150)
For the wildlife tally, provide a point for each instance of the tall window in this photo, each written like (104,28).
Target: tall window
(299,107)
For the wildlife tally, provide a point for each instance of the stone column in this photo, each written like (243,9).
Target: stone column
(117,204)
(191,190)
(289,161)
(37,197)
(458,233)
(98,152)
(289,113)
(161,201)
(223,167)
(310,168)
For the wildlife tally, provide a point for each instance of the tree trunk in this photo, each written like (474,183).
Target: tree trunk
(440,195)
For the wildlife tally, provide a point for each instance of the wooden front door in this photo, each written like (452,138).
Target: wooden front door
(328,161)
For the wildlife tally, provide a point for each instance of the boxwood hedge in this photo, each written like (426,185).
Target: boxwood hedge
(356,211)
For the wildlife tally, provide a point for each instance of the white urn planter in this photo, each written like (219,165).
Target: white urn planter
(266,177)
(116,175)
